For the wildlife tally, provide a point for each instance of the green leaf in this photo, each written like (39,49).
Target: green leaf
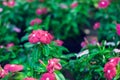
(24,38)
(59,75)
(28,45)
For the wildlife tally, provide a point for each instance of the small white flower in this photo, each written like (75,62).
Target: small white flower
(110,44)
(82,53)
(116,50)
(1,9)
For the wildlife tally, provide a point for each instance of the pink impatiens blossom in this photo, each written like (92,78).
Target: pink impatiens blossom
(35,21)
(109,71)
(16,29)
(5,3)
(115,60)
(3,72)
(53,64)
(40,11)
(29,78)
(96,25)
(10,45)
(33,37)
(48,76)
(83,44)
(11,3)
(94,41)
(46,37)
(103,3)
(118,29)
(40,36)
(59,42)
(74,4)
(13,67)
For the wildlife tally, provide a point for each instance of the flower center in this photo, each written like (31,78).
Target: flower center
(33,35)
(103,2)
(112,60)
(47,79)
(12,65)
(108,71)
(46,35)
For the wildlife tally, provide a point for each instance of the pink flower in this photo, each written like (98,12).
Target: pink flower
(103,3)
(18,30)
(34,37)
(10,45)
(59,42)
(40,11)
(13,67)
(53,64)
(44,10)
(40,36)
(83,44)
(118,29)
(3,72)
(11,3)
(109,71)
(1,46)
(93,41)
(115,60)
(35,21)
(48,76)
(96,25)
(5,3)
(74,4)
(45,37)
(29,78)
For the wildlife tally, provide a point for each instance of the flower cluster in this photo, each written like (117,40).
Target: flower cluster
(10,68)
(40,11)
(10,3)
(74,5)
(118,29)
(103,3)
(35,21)
(10,45)
(96,25)
(3,72)
(93,41)
(40,36)
(59,42)
(53,64)
(110,68)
